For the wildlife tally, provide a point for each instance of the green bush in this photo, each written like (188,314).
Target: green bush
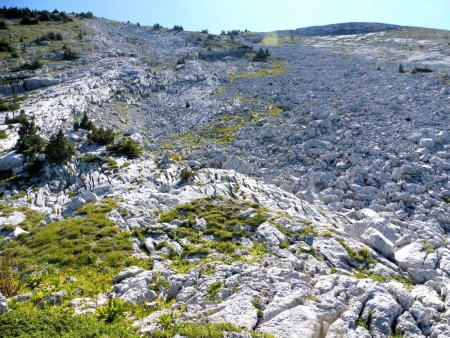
(421,70)
(29,142)
(51,36)
(70,55)
(85,123)
(102,135)
(36,64)
(6,47)
(186,175)
(262,55)
(400,69)
(3,24)
(3,135)
(58,150)
(178,28)
(126,147)
(27,20)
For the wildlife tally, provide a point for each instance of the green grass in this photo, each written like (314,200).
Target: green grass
(58,322)
(222,222)
(3,135)
(89,247)
(364,273)
(362,255)
(20,36)
(213,290)
(275,68)
(194,330)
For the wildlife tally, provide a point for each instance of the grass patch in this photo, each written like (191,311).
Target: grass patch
(224,225)
(275,68)
(58,322)
(213,290)
(362,255)
(89,247)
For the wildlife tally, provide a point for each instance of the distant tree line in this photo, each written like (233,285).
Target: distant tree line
(33,17)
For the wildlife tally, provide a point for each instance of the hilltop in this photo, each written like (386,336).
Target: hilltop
(246,184)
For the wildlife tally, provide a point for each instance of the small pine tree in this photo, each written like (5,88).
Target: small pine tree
(400,69)
(58,150)
(29,142)
(86,123)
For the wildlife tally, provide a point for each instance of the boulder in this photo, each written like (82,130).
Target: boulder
(300,321)
(88,196)
(378,242)
(3,304)
(77,203)
(54,298)
(39,82)
(11,160)
(270,234)
(15,235)
(132,271)
(239,165)
(135,289)
(238,309)
(15,218)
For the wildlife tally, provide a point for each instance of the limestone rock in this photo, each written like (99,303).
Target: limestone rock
(3,304)
(11,160)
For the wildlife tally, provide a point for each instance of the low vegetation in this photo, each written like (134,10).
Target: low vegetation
(221,232)
(421,70)
(362,255)
(126,146)
(103,136)
(58,150)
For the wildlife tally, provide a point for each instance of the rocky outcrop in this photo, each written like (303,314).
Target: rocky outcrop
(10,161)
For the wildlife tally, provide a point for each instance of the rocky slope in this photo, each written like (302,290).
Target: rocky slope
(316,203)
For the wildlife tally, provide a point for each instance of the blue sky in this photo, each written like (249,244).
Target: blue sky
(255,15)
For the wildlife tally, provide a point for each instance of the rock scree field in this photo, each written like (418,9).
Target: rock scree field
(158,182)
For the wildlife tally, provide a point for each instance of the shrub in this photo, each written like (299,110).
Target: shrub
(112,311)
(29,142)
(213,290)
(85,123)
(126,147)
(421,70)
(87,15)
(3,24)
(6,47)
(262,55)
(178,28)
(70,55)
(102,135)
(186,175)
(3,135)
(58,150)
(400,69)
(205,31)
(51,36)
(157,26)
(27,20)
(36,64)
